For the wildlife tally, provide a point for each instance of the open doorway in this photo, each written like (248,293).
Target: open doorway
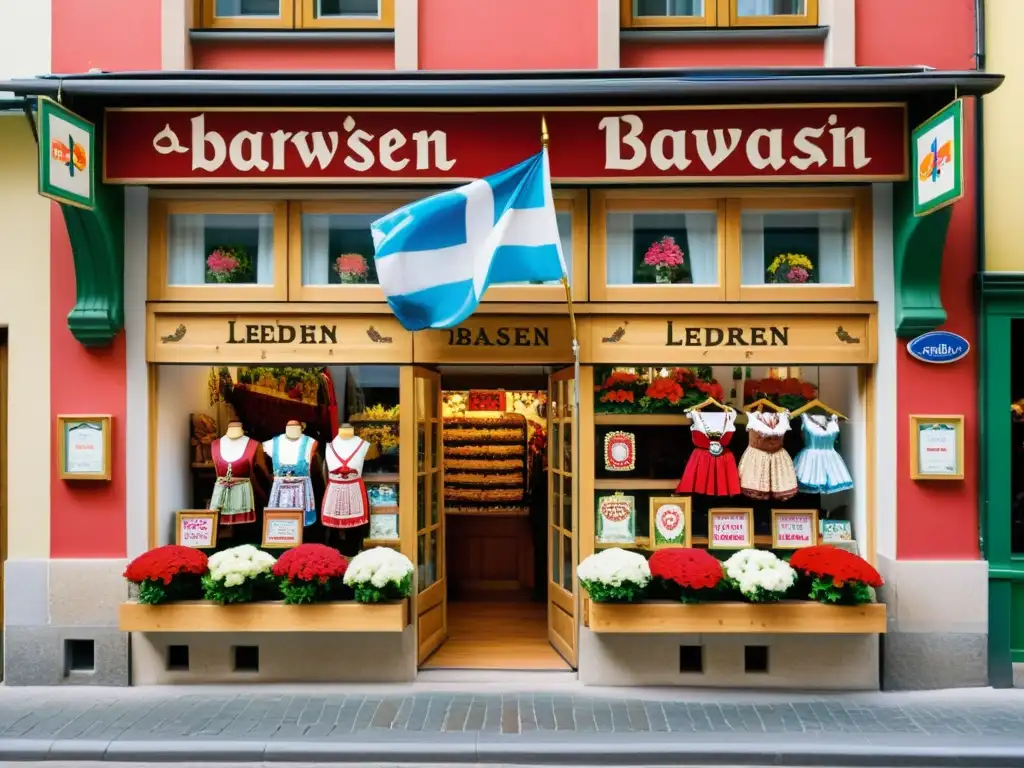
(497,491)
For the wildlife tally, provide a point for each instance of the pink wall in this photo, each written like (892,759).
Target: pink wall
(293,56)
(639,54)
(934,520)
(523,34)
(88,520)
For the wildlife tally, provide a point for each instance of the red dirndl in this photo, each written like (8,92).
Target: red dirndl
(707,473)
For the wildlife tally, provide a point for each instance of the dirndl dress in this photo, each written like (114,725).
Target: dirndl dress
(346,504)
(292,487)
(232,491)
(711,468)
(819,466)
(766,470)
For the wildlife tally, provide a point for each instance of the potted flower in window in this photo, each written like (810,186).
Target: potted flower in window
(666,257)
(792,268)
(351,268)
(229,264)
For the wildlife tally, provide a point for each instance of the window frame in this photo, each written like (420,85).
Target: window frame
(160,211)
(631,21)
(306,18)
(603,202)
(208,19)
(717,14)
(857,200)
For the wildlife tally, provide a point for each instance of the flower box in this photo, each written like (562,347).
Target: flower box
(735,618)
(203,616)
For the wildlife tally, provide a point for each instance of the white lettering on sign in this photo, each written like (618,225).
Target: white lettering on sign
(249,150)
(626,147)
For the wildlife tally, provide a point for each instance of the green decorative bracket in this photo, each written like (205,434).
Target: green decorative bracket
(97,243)
(918,243)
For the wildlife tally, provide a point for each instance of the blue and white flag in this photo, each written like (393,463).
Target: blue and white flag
(436,257)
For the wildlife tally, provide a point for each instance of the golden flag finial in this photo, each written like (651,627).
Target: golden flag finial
(544,138)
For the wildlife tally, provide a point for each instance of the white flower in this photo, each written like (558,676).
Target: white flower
(752,569)
(233,566)
(614,566)
(378,567)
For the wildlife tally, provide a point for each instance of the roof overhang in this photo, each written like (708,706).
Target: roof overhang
(537,88)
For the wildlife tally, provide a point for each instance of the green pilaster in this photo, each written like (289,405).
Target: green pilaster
(97,243)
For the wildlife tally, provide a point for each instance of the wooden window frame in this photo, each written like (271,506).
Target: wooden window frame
(717,13)
(572,201)
(855,200)
(306,18)
(160,211)
(207,18)
(603,202)
(733,19)
(629,21)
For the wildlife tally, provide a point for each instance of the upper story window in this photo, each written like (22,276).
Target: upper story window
(295,14)
(719,13)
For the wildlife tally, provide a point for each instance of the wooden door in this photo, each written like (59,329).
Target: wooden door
(562,520)
(432,597)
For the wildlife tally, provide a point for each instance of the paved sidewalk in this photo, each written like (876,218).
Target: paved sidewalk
(577,726)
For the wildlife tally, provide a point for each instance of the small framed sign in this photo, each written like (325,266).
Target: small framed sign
(83,447)
(196,528)
(383,526)
(282,528)
(670,522)
(67,155)
(832,531)
(938,159)
(937,447)
(616,519)
(794,528)
(620,451)
(730,528)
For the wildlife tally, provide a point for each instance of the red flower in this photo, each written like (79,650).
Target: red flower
(311,562)
(840,565)
(689,568)
(164,563)
(665,389)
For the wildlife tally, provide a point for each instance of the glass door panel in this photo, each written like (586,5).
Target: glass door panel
(561,517)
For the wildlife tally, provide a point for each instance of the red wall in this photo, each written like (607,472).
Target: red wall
(721,54)
(935,520)
(88,520)
(522,34)
(291,56)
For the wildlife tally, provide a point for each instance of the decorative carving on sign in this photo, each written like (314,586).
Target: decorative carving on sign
(844,336)
(172,338)
(376,338)
(617,334)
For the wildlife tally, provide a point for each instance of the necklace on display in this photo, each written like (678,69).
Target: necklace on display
(714,438)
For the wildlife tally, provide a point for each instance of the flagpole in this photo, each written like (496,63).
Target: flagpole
(544,140)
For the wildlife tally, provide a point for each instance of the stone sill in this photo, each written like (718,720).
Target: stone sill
(303,36)
(725,35)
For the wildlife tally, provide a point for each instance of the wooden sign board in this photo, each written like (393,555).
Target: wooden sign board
(730,528)
(529,339)
(282,528)
(794,528)
(196,528)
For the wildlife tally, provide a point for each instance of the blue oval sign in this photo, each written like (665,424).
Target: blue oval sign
(939,347)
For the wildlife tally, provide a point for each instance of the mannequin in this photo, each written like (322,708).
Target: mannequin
(345,502)
(292,455)
(237,460)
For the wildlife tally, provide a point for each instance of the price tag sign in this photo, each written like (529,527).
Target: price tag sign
(794,529)
(730,528)
(197,529)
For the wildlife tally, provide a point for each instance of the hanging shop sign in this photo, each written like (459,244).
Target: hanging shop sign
(936,447)
(528,339)
(860,142)
(938,347)
(761,338)
(276,339)
(67,150)
(938,161)
(83,445)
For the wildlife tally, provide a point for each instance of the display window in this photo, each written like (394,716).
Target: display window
(295,14)
(718,13)
(218,250)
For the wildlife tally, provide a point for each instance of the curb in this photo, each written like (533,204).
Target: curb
(631,750)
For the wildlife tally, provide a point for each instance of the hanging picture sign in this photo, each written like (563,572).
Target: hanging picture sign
(620,452)
(196,528)
(939,347)
(937,159)
(616,519)
(67,151)
(730,528)
(670,522)
(83,444)
(937,447)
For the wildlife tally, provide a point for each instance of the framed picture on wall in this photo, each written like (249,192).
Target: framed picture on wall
(670,522)
(282,528)
(616,519)
(730,528)
(383,526)
(196,528)
(937,447)
(83,447)
(794,528)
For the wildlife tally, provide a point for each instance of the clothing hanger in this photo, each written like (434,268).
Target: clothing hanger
(709,401)
(761,404)
(816,403)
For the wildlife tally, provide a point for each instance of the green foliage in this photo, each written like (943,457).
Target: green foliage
(307,592)
(182,587)
(851,593)
(626,592)
(367,593)
(262,587)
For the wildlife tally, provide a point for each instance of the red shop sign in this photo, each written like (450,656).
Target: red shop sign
(859,142)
